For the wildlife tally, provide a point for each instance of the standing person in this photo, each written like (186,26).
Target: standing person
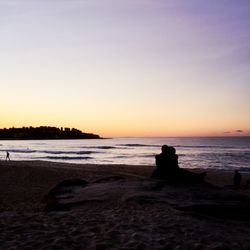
(7,156)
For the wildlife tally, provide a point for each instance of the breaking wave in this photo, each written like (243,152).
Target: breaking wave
(134,145)
(65,158)
(66,152)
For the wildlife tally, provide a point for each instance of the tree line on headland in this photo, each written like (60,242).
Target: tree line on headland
(43,133)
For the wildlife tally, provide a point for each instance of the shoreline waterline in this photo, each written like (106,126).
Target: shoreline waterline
(206,153)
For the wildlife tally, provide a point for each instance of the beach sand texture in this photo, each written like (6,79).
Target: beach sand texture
(132,216)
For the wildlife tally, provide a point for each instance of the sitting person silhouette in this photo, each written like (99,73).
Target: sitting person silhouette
(167,168)
(166,163)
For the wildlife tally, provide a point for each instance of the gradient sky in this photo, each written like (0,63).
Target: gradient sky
(126,68)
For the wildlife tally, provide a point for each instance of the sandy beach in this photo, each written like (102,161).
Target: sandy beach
(120,213)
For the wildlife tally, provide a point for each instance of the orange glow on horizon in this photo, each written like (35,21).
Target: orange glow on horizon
(135,131)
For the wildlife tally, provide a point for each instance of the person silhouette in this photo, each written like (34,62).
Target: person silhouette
(166,163)
(237,178)
(167,168)
(7,156)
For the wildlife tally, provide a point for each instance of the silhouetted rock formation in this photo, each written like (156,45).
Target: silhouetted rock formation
(197,200)
(44,132)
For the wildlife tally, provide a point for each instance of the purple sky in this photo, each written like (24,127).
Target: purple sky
(126,67)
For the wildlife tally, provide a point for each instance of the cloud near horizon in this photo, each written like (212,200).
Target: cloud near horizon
(238,131)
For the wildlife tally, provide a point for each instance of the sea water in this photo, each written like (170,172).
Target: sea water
(194,152)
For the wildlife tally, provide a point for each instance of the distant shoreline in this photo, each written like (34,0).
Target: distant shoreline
(50,139)
(44,133)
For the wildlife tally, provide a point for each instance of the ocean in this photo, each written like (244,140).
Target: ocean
(227,153)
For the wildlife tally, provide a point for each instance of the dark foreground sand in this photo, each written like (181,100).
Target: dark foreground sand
(109,225)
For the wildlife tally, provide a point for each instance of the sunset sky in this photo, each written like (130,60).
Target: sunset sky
(126,67)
